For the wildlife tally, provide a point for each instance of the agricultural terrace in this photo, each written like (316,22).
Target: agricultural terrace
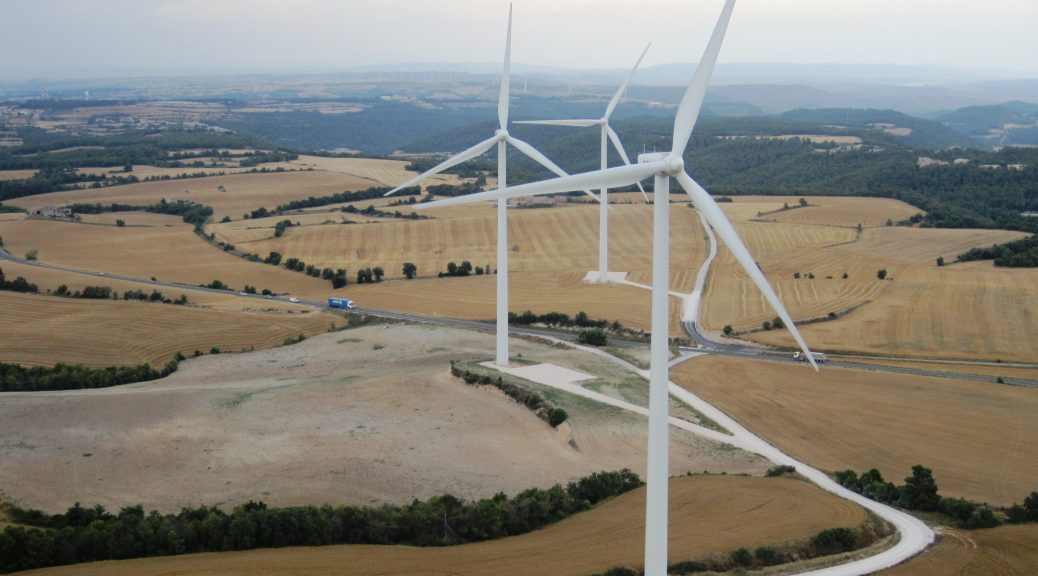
(709,515)
(42,330)
(361,416)
(956,311)
(980,437)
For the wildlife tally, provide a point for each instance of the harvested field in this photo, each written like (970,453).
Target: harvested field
(980,438)
(1002,551)
(708,515)
(841,211)
(959,311)
(16,174)
(44,330)
(242,192)
(168,253)
(133,219)
(361,416)
(385,172)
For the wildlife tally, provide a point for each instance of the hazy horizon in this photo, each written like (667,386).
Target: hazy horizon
(58,39)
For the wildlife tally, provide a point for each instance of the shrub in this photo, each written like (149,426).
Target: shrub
(557,416)
(780,471)
(728,330)
(881,274)
(593,337)
(835,540)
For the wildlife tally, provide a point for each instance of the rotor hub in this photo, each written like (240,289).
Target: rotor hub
(501,133)
(675,164)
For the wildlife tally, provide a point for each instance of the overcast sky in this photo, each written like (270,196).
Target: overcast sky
(83,38)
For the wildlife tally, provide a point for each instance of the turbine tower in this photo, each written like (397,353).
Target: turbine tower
(607,133)
(663,166)
(502,138)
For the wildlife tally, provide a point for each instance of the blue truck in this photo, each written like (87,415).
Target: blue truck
(343,303)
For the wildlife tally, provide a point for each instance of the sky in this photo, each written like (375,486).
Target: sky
(89,38)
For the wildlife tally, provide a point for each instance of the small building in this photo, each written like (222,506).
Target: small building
(55,213)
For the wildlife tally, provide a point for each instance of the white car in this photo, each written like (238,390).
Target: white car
(293,299)
(243,293)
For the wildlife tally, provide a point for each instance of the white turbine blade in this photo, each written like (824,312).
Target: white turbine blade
(623,87)
(692,101)
(615,139)
(541,159)
(452,161)
(716,218)
(612,178)
(502,97)
(576,123)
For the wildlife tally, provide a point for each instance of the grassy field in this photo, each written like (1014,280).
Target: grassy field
(708,515)
(43,330)
(957,311)
(979,438)
(1003,551)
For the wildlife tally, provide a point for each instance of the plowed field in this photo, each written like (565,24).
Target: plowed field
(1003,551)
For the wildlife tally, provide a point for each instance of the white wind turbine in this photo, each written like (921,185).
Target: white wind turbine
(663,166)
(607,133)
(502,138)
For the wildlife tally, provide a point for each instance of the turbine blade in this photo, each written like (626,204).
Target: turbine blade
(502,97)
(623,87)
(452,161)
(541,159)
(692,101)
(611,178)
(615,139)
(576,123)
(716,218)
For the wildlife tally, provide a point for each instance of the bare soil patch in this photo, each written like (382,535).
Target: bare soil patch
(363,416)
(1002,551)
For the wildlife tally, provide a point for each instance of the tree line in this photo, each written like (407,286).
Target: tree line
(1021,253)
(17,378)
(920,492)
(93,534)
(532,400)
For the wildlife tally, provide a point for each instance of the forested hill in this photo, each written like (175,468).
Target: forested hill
(763,155)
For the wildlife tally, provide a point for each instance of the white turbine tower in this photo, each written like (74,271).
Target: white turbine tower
(607,133)
(502,138)
(663,166)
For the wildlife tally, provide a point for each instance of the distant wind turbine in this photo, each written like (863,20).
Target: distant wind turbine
(607,133)
(663,166)
(502,138)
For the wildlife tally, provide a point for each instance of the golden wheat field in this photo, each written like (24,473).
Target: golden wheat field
(241,193)
(167,253)
(385,172)
(1002,551)
(132,219)
(42,330)
(992,369)
(839,211)
(708,515)
(16,174)
(979,438)
(957,311)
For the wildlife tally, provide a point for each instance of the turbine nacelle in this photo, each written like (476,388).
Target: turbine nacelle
(669,164)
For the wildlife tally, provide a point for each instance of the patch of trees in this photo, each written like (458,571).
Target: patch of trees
(280,227)
(93,534)
(456,270)
(19,284)
(409,270)
(532,400)
(369,275)
(337,277)
(919,492)
(581,320)
(16,378)
(9,209)
(47,180)
(1021,253)
(375,212)
(593,337)
(340,197)
(157,296)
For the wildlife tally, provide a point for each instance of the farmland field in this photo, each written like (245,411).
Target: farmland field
(43,330)
(708,515)
(168,253)
(979,437)
(1002,551)
(241,192)
(958,311)
(361,416)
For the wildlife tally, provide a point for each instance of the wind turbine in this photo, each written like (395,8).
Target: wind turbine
(502,138)
(607,133)
(663,166)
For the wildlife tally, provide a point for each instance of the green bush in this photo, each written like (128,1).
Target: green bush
(835,540)
(593,337)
